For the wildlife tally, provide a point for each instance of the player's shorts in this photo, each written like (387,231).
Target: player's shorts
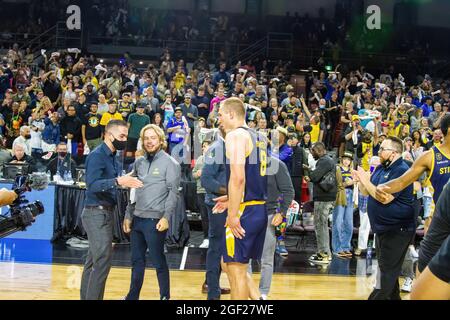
(253,218)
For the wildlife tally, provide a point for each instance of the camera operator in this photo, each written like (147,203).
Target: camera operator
(7,197)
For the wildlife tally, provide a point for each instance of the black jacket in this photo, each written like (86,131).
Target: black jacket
(70,125)
(53,165)
(299,158)
(323,166)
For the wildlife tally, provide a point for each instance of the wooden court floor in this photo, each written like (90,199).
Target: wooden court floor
(61,282)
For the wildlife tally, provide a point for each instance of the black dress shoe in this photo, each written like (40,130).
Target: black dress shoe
(204,288)
(222,290)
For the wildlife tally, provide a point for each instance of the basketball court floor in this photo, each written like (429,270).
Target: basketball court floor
(39,270)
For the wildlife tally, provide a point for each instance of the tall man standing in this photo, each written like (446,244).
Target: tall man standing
(391,218)
(247,193)
(102,180)
(213,179)
(323,202)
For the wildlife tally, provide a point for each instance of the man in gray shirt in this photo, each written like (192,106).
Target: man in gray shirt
(189,111)
(147,219)
(279,184)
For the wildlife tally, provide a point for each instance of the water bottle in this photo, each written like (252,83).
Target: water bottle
(49,176)
(69,176)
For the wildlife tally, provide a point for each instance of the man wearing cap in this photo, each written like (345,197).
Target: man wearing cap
(189,84)
(177,130)
(136,122)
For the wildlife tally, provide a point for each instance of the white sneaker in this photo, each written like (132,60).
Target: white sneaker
(407,285)
(263,297)
(205,244)
(414,253)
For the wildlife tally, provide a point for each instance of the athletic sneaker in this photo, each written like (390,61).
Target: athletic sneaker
(75,242)
(320,258)
(263,297)
(407,285)
(281,250)
(205,244)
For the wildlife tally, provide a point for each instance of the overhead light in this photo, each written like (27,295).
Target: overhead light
(141,62)
(306,70)
(101,60)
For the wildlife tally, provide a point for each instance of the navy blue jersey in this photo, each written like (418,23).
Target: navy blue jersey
(255,168)
(440,173)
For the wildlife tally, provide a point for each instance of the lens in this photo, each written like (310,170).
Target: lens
(36,208)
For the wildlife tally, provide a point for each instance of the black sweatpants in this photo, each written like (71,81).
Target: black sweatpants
(391,248)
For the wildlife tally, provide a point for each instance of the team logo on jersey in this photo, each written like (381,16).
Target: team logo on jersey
(156,172)
(438,156)
(93,122)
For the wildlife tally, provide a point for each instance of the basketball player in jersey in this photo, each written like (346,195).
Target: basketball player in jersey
(246,223)
(436,162)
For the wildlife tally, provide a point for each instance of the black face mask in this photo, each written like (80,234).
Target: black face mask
(62,154)
(119,145)
(28,136)
(386,163)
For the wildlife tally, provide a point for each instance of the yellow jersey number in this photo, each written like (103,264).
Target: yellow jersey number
(263,160)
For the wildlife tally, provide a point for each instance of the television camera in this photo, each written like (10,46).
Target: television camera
(21,213)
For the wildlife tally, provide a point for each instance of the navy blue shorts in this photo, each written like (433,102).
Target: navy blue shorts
(254,222)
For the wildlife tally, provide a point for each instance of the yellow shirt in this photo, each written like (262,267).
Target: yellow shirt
(107,117)
(315,132)
(392,129)
(367,150)
(180,79)
(400,127)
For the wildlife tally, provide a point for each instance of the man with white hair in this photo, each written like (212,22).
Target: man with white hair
(20,157)
(24,138)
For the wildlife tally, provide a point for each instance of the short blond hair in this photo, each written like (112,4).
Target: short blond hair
(236,105)
(158,131)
